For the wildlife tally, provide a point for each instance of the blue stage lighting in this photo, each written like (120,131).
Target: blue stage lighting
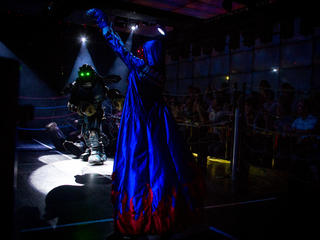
(84,57)
(119,68)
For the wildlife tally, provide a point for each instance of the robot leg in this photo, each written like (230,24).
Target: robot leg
(85,155)
(95,147)
(85,135)
(104,142)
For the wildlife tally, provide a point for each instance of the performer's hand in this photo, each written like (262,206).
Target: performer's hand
(99,16)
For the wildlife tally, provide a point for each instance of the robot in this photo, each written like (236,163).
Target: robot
(87,93)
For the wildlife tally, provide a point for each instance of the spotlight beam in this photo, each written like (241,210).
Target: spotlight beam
(84,57)
(119,68)
(27,77)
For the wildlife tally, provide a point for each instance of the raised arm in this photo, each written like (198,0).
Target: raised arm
(114,41)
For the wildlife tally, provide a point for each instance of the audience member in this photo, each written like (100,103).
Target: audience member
(284,119)
(174,107)
(305,148)
(305,123)
(269,109)
(287,96)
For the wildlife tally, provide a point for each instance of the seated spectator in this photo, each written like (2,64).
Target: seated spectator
(186,109)
(269,108)
(217,111)
(174,108)
(264,86)
(56,136)
(212,110)
(208,94)
(65,143)
(256,146)
(198,113)
(287,96)
(252,113)
(224,93)
(305,162)
(305,123)
(282,125)
(284,119)
(217,114)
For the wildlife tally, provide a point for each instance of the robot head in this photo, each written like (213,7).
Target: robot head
(86,71)
(86,75)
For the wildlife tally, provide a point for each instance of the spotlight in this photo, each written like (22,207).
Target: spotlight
(83,40)
(274,69)
(134,27)
(160,30)
(227,78)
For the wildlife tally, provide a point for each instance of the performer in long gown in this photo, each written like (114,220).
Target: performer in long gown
(155,188)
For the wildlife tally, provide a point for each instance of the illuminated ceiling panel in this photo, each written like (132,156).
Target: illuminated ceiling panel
(203,9)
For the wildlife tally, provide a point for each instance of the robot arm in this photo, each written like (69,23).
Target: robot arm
(114,94)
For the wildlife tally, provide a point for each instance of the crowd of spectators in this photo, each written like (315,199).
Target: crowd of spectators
(279,127)
(203,117)
(284,130)
(196,107)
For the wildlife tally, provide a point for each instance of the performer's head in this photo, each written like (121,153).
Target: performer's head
(152,53)
(140,53)
(86,75)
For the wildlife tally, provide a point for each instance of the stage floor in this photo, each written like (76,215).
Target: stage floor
(59,196)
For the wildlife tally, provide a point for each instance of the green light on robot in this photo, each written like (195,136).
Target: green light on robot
(88,74)
(82,74)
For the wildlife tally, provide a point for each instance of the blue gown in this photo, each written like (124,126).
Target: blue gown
(154,185)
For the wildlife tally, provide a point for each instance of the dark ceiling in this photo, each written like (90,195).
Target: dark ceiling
(170,13)
(30,25)
(182,17)
(203,9)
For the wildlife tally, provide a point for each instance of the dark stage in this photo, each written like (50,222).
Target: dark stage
(59,196)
